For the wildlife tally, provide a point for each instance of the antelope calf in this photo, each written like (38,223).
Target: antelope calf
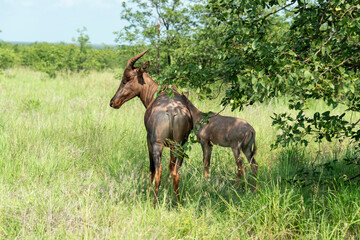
(224,131)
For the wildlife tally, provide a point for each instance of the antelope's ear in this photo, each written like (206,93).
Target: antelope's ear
(186,94)
(144,67)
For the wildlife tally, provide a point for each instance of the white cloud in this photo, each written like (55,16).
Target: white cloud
(104,3)
(23,3)
(63,3)
(67,3)
(28,3)
(95,3)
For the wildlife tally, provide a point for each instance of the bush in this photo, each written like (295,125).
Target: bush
(7,58)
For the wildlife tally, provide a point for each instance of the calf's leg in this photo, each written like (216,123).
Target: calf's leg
(207,149)
(254,166)
(239,163)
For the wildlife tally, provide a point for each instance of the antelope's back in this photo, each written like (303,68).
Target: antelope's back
(168,118)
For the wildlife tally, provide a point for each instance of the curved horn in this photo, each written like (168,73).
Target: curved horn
(132,61)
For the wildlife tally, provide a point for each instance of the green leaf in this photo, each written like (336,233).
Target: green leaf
(253,79)
(307,74)
(352,88)
(292,53)
(253,45)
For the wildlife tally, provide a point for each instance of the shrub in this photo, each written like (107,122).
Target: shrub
(7,58)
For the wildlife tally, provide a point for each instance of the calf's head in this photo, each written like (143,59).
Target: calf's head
(131,83)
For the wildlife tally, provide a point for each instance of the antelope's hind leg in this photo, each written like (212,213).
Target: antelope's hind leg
(156,155)
(174,167)
(152,164)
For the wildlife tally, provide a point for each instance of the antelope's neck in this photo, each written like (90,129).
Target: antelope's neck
(195,113)
(148,90)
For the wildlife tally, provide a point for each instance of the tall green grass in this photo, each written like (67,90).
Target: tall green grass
(72,167)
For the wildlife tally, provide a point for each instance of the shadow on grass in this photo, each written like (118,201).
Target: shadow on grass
(296,167)
(293,170)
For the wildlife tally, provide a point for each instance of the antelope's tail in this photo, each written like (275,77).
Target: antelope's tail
(253,145)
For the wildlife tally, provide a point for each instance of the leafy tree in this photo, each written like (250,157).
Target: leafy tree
(197,55)
(308,50)
(84,43)
(160,23)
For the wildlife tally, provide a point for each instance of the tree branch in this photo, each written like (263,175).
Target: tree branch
(269,14)
(308,59)
(354,124)
(342,63)
(348,10)
(351,178)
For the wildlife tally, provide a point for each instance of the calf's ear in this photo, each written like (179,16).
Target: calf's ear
(144,67)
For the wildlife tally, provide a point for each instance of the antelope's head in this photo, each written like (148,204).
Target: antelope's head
(131,83)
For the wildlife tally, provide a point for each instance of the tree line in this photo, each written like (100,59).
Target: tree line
(52,58)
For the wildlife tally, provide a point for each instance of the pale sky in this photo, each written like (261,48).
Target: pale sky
(57,20)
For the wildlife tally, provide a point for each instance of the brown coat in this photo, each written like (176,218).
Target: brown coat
(167,120)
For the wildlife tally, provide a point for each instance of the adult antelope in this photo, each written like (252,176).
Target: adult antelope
(224,131)
(166,119)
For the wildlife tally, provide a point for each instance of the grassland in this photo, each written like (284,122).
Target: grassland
(72,167)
